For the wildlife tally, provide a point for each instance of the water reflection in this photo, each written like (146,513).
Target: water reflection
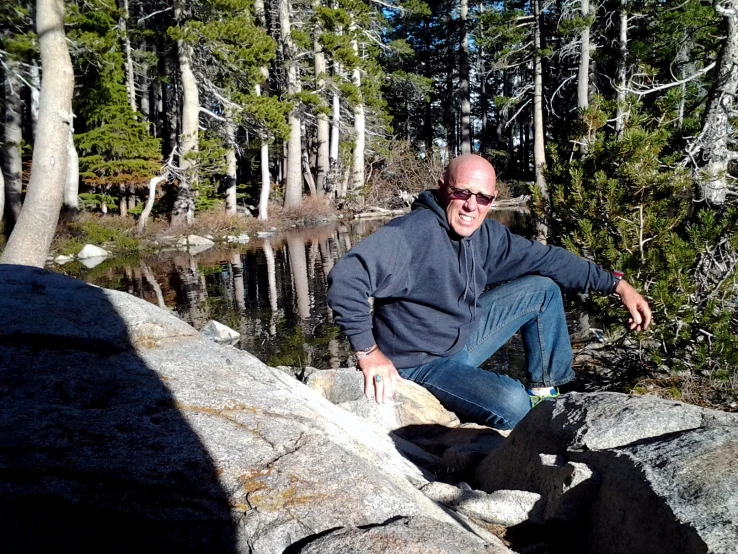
(272,291)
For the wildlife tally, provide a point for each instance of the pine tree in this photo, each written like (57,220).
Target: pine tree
(118,151)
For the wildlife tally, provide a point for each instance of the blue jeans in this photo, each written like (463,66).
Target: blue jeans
(533,305)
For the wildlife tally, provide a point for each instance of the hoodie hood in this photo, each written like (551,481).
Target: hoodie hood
(428,199)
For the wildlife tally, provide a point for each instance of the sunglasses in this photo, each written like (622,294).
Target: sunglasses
(465,194)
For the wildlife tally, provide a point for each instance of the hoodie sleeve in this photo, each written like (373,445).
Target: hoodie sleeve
(513,256)
(377,267)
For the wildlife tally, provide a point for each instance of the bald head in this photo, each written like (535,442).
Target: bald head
(462,166)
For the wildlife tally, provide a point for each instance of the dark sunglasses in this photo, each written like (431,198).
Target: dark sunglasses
(465,194)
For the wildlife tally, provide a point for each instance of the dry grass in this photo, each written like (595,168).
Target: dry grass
(314,210)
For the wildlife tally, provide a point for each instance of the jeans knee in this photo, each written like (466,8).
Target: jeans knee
(518,406)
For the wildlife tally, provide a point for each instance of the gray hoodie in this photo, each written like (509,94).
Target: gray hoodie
(426,280)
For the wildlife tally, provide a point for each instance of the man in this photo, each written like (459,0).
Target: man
(434,324)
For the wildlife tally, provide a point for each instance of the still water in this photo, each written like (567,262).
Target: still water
(272,291)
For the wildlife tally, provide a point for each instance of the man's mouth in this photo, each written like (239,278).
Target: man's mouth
(466,218)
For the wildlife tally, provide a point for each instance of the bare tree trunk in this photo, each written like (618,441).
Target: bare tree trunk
(71,183)
(123,204)
(230,195)
(306,165)
(717,130)
(583,82)
(583,77)
(13,163)
(184,206)
(622,70)
(357,173)
(539,150)
(34,75)
(143,219)
(29,243)
(464,89)
(322,162)
(293,181)
(145,104)
(266,180)
(130,81)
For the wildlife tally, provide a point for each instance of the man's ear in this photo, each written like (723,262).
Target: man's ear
(441,183)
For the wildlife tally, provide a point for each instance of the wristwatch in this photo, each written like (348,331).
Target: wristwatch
(617,276)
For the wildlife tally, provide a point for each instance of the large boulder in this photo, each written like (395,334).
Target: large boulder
(123,430)
(653,475)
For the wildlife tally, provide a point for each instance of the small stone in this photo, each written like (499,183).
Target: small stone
(92,251)
(194,243)
(95,261)
(218,332)
(61,260)
(264,234)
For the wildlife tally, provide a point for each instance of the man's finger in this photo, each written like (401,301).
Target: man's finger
(368,385)
(389,389)
(379,389)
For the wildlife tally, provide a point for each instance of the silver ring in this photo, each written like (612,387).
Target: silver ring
(377,378)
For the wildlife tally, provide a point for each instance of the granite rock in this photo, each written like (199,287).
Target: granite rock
(121,428)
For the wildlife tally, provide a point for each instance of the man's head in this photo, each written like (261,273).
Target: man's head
(466,174)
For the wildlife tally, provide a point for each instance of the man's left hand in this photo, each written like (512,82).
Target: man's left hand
(640,313)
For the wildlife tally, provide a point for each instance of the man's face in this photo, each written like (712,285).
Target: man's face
(466,216)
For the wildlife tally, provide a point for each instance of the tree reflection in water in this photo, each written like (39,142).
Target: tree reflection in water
(272,291)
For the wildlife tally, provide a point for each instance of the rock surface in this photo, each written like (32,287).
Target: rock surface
(411,403)
(504,507)
(413,535)
(668,471)
(216,331)
(122,429)
(92,251)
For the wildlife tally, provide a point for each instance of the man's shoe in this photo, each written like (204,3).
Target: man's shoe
(536,399)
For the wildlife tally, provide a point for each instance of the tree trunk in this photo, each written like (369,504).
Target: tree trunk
(622,69)
(13,163)
(184,206)
(464,89)
(717,130)
(266,180)
(29,243)
(357,170)
(306,165)
(231,179)
(35,82)
(130,80)
(322,162)
(71,183)
(143,219)
(539,150)
(293,178)
(123,204)
(583,82)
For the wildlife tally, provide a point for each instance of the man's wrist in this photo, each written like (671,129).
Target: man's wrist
(617,277)
(363,354)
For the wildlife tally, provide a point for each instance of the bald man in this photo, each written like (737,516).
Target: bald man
(450,287)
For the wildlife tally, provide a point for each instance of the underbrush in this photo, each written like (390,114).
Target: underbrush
(110,232)
(313,211)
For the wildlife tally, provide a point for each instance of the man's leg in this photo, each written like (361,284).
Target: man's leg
(481,396)
(534,305)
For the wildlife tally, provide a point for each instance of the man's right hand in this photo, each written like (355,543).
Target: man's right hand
(377,364)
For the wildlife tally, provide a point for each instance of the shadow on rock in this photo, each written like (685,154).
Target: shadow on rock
(95,455)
